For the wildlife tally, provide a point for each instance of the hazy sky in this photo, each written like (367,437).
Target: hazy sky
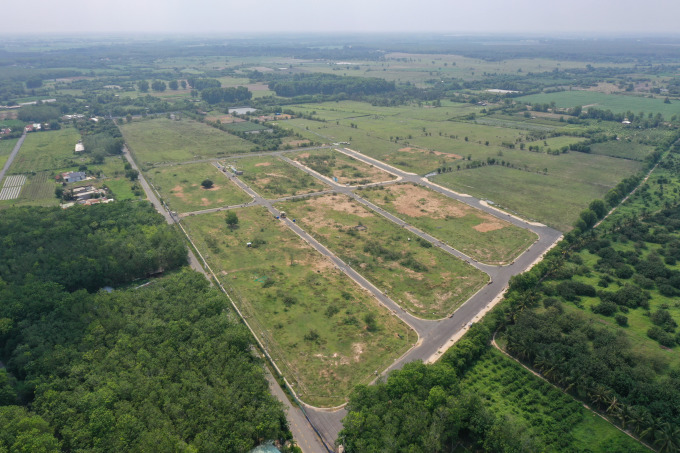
(449,16)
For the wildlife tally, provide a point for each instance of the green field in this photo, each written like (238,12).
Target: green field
(617,103)
(323,331)
(164,140)
(180,187)
(343,168)
(479,235)
(49,150)
(6,147)
(271,177)
(622,149)
(556,421)
(245,126)
(555,198)
(426,281)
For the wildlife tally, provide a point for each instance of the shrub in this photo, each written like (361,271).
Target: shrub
(663,337)
(621,320)
(605,308)
(207,184)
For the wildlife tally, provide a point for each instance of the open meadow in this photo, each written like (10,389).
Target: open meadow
(554,195)
(424,280)
(323,331)
(271,177)
(180,186)
(479,235)
(164,140)
(6,147)
(48,150)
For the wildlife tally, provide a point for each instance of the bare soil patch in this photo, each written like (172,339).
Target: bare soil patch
(427,151)
(263,164)
(339,203)
(488,226)
(178,191)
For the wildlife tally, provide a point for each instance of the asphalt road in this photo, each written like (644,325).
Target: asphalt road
(12,155)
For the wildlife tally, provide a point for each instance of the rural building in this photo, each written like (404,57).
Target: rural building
(80,147)
(33,127)
(5,131)
(73,176)
(235,171)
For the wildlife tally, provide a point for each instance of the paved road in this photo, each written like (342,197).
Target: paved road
(11,157)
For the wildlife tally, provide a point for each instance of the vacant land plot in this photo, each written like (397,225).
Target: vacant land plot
(245,126)
(617,103)
(271,177)
(180,186)
(47,150)
(475,233)
(556,196)
(343,168)
(324,332)
(556,421)
(164,140)
(424,280)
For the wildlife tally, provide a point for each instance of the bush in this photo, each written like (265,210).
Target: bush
(663,337)
(207,184)
(621,320)
(605,308)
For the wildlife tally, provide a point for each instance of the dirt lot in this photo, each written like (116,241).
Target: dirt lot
(427,151)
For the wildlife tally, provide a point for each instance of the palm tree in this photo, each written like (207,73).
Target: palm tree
(667,438)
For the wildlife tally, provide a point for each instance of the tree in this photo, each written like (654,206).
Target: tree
(158,85)
(207,184)
(598,207)
(231,219)
(143,86)
(173,85)
(184,84)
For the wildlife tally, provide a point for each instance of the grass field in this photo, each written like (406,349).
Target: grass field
(617,103)
(343,168)
(622,149)
(245,126)
(180,186)
(554,420)
(6,147)
(271,177)
(426,281)
(555,198)
(324,332)
(47,150)
(164,140)
(475,233)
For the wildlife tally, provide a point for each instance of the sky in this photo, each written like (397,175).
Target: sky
(586,17)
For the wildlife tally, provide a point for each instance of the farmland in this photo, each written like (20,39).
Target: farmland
(180,186)
(271,177)
(344,169)
(426,281)
(164,140)
(323,331)
(47,150)
(37,191)
(6,147)
(475,233)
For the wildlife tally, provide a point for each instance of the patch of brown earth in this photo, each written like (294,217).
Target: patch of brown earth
(358,349)
(489,226)
(415,201)
(178,191)
(263,164)
(338,203)
(303,156)
(297,143)
(427,151)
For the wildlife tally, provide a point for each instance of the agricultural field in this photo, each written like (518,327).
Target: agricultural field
(271,177)
(48,150)
(37,191)
(323,331)
(424,280)
(342,168)
(245,126)
(622,149)
(554,195)
(6,147)
(479,235)
(180,187)
(164,140)
(556,420)
(617,103)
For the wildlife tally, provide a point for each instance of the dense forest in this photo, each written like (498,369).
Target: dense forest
(161,367)
(87,247)
(328,84)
